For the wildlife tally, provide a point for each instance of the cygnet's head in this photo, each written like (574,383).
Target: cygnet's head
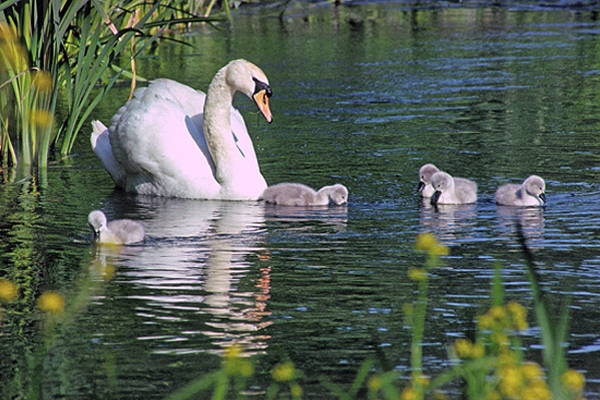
(425,174)
(338,194)
(97,220)
(535,186)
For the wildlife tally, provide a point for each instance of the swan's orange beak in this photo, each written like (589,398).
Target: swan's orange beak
(261,98)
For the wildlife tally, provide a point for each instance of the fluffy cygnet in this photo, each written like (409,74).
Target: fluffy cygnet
(425,173)
(449,190)
(297,194)
(530,193)
(121,231)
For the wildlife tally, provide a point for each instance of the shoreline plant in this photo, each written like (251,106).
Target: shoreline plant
(76,50)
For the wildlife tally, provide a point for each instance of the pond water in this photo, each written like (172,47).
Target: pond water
(363,95)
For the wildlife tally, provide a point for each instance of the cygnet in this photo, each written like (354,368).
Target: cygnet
(425,188)
(532,192)
(297,194)
(449,190)
(121,231)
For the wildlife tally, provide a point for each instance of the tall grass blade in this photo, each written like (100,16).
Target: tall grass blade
(553,330)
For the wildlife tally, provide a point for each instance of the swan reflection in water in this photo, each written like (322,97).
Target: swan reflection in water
(448,222)
(189,271)
(530,219)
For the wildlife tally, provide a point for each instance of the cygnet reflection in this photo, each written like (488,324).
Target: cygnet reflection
(196,254)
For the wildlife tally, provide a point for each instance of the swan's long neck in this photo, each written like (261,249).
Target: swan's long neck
(217,127)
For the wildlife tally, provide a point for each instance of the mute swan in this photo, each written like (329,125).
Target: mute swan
(297,194)
(530,193)
(449,191)
(121,231)
(425,173)
(169,141)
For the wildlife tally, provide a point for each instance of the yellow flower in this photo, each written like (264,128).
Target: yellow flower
(409,393)
(296,390)
(417,274)
(537,390)
(500,338)
(511,381)
(235,364)
(573,380)
(518,314)
(374,384)
(516,310)
(284,372)
(42,118)
(463,348)
(532,371)
(497,312)
(51,302)
(506,358)
(493,396)
(421,381)
(485,321)
(427,242)
(477,351)
(232,352)
(8,290)
(42,80)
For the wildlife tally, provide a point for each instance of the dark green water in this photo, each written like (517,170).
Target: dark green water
(362,96)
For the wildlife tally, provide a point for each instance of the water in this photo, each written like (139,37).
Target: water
(362,96)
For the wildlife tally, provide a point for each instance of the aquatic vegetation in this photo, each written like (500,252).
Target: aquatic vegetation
(43,57)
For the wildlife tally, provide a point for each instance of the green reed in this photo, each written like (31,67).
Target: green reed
(83,47)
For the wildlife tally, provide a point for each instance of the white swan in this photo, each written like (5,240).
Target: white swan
(120,231)
(297,194)
(449,190)
(530,193)
(169,141)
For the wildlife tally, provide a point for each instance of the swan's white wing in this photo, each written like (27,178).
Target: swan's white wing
(101,145)
(160,146)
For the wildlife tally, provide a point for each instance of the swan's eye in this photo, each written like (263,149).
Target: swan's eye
(260,85)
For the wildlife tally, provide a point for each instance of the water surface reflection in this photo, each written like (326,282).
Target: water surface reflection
(189,268)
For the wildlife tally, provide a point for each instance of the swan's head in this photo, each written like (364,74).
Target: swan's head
(441,182)
(97,221)
(535,186)
(250,80)
(425,174)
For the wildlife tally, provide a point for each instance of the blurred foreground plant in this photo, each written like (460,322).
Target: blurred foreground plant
(492,366)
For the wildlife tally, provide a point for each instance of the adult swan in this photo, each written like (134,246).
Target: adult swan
(171,140)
